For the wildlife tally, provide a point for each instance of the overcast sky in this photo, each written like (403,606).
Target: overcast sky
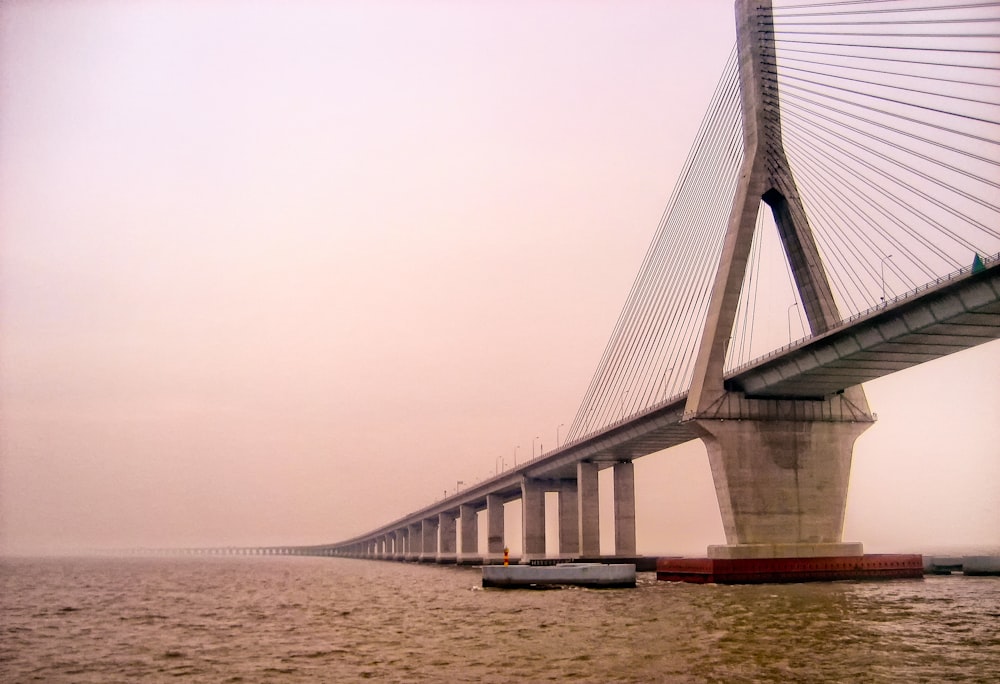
(280,272)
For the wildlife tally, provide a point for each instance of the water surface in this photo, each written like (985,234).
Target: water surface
(331,619)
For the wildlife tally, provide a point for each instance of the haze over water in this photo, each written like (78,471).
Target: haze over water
(320,619)
(280,272)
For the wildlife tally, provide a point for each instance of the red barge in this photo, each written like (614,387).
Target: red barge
(787,570)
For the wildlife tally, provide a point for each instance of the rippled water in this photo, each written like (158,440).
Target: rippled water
(320,619)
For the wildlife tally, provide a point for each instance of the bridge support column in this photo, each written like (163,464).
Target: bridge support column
(400,545)
(447,544)
(588,505)
(494,527)
(624,478)
(414,542)
(782,486)
(469,533)
(428,540)
(569,519)
(781,464)
(532,519)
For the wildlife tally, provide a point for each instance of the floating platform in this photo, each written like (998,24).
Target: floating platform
(594,575)
(982,566)
(787,570)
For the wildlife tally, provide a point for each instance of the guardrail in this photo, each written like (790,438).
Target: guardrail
(870,311)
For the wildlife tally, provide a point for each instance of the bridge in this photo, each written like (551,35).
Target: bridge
(863,141)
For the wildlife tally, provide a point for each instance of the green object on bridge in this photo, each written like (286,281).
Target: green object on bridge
(977,264)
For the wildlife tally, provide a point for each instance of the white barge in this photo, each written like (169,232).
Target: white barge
(597,575)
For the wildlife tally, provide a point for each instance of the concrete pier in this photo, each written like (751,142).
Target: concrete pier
(780,464)
(532,519)
(781,485)
(624,475)
(400,547)
(447,529)
(414,545)
(569,517)
(428,540)
(494,528)
(468,520)
(588,505)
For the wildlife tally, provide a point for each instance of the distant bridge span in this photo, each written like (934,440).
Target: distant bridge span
(949,315)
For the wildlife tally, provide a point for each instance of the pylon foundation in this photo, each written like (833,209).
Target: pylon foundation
(789,570)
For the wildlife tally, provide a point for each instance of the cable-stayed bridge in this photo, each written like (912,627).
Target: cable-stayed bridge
(836,221)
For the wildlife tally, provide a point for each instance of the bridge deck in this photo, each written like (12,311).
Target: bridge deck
(954,314)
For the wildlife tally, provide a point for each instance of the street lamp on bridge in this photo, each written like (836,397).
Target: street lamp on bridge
(789,317)
(882,270)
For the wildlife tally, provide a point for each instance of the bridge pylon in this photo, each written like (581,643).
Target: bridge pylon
(781,465)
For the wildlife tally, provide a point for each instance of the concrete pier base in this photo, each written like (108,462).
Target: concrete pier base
(819,550)
(789,570)
(594,575)
(781,483)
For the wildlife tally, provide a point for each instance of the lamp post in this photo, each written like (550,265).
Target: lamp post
(882,270)
(533,446)
(789,317)
(557,434)
(515,454)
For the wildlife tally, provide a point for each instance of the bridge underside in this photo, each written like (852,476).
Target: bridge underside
(955,316)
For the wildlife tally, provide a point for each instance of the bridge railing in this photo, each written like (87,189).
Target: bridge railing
(881,306)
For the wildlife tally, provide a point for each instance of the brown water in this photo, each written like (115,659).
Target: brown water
(317,619)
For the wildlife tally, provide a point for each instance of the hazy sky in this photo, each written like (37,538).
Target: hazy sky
(280,272)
